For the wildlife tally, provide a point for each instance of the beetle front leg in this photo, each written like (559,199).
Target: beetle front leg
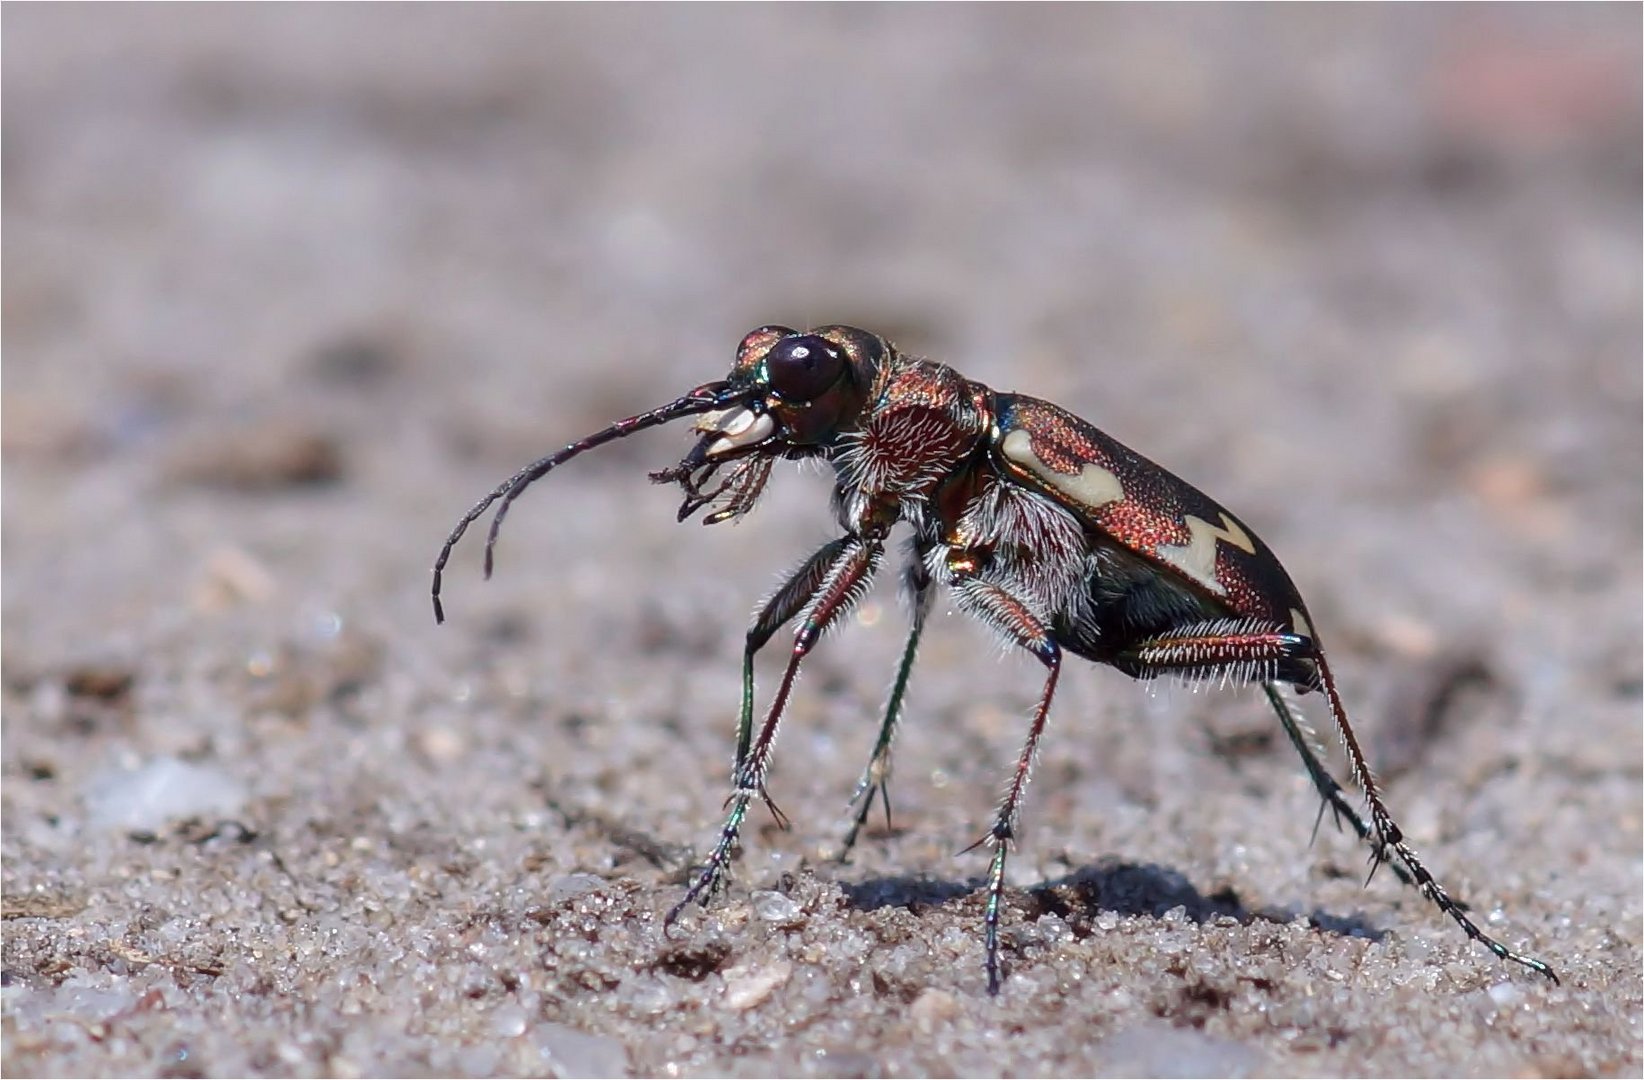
(876,777)
(783,605)
(1005,612)
(839,585)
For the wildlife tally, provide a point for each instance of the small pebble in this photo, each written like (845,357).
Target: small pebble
(569,1052)
(932,1008)
(145,799)
(775,907)
(745,989)
(508,1022)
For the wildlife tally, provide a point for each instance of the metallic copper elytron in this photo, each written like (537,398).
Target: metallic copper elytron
(1052,533)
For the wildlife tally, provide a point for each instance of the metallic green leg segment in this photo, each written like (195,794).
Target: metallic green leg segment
(744,724)
(876,777)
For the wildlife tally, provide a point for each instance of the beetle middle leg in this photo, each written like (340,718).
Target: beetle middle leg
(1001,609)
(826,587)
(876,777)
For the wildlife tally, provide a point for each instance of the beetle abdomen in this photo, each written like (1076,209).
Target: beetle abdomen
(1137,507)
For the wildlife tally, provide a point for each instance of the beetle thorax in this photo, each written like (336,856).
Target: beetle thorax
(911,438)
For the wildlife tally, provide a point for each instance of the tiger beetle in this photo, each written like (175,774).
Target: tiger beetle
(1041,526)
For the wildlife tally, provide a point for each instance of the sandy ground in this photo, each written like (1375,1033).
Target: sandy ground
(287,289)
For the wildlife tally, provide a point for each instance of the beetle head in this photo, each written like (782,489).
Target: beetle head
(789,394)
(802,390)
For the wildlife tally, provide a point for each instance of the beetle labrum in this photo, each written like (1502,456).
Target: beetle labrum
(1046,529)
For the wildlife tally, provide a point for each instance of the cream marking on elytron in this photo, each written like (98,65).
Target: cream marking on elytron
(1092,486)
(1197,557)
(1299,622)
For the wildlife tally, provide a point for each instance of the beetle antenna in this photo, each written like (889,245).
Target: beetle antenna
(702,399)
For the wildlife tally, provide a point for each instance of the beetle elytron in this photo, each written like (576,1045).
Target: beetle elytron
(1043,527)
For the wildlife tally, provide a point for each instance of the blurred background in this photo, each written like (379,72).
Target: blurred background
(287,288)
(404,236)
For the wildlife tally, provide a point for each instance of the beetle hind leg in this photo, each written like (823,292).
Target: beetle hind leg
(1238,650)
(1332,795)
(1388,839)
(1249,650)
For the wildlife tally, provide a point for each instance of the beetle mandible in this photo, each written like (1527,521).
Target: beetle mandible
(1043,527)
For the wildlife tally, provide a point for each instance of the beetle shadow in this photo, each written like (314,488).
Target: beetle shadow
(1109,885)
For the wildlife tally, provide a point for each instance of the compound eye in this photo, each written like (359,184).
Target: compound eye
(757,341)
(802,368)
